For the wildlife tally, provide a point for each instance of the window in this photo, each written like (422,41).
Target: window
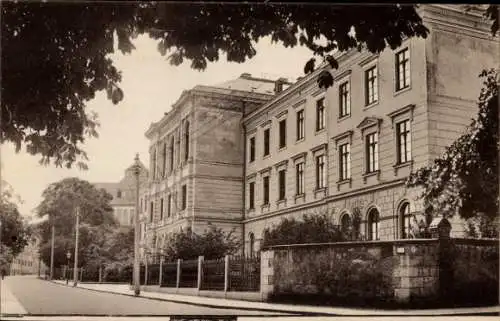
(320,114)
(373,225)
(300,178)
(251,195)
(119,194)
(252,244)
(371,153)
(371,86)
(344,99)
(345,161)
(252,149)
(169,209)
(265,185)
(266,141)
(320,172)
(186,141)
(172,153)
(405,219)
(345,223)
(282,184)
(403,141)
(161,209)
(164,160)
(151,209)
(178,150)
(402,69)
(184,197)
(282,129)
(300,124)
(153,174)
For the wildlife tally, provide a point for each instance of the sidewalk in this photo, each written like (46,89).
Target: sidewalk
(9,305)
(124,289)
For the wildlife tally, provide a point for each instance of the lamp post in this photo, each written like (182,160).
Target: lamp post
(77,233)
(136,276)
(68,256)
(52,243)
(2,271)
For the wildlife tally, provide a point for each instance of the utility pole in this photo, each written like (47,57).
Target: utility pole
(52,251)
(136,275)
(75,268)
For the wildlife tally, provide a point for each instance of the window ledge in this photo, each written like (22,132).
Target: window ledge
(374,173)
(300,140)
(320,192)
(401,91)
(266,156)
(343,182)
(251,210)
(300,196)
(320,131)
(402,165)
(280,149)
(281,203)
(375,103)
(342,118)
(265,207)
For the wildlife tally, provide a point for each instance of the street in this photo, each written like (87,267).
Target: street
(39,297)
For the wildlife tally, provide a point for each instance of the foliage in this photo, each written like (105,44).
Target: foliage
(121,246)
(464,179)
(59,202)
(55,56)
(212,244)
(315,228)
(15,234)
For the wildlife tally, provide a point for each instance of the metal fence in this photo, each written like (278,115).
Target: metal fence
(153,274)
(169,274)
(189,274)
(244,273)
(213,274)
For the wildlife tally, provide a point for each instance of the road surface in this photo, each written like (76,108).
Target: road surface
(39,297)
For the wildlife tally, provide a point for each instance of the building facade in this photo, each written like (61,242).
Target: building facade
(243,156)
(28,262)
(197,159)
(350,148)
(124,195)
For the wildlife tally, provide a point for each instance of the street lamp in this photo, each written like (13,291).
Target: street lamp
(68,256)
(136,276)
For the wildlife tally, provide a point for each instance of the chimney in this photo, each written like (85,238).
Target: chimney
(278,85)
(246,75)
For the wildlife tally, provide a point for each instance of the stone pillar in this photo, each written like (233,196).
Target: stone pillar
(200,271)
(226,273)
(266,274)
(160,272)
(178,282)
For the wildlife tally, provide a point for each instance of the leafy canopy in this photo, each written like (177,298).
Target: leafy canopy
(55,56)
(464,179)
(212,244)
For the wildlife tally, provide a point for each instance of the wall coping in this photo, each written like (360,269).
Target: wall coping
(353,243)
(484,241)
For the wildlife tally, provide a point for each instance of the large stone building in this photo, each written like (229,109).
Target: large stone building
(343,150)
(197,159)
(124,196)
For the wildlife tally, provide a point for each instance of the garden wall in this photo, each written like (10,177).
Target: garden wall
(424,272)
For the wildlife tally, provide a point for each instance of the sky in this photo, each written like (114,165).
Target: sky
(151,85)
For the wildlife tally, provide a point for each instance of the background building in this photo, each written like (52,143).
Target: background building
(123,193)
(28,261)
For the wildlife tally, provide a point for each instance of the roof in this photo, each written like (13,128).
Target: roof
(246,82)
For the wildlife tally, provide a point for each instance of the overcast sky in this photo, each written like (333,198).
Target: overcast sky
(151,86)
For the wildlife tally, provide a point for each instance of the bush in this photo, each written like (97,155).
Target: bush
(315,228)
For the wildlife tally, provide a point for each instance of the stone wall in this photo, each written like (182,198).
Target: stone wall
(425,272)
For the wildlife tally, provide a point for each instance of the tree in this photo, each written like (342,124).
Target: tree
(312,228)
(120,248)
(212,244)
(15,233)
(59,202)
(55,55)
(464,180)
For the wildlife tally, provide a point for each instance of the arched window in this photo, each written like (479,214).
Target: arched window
(373,224)
(186,141)
(252,244)
(345,223)
(404,219)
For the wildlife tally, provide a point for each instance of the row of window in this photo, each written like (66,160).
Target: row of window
(170,150)
(403,141)
(371,96)
(171,201)
(23,262)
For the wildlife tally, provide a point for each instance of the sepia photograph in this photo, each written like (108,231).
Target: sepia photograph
(257,160)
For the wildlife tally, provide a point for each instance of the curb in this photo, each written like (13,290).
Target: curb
(206,305)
